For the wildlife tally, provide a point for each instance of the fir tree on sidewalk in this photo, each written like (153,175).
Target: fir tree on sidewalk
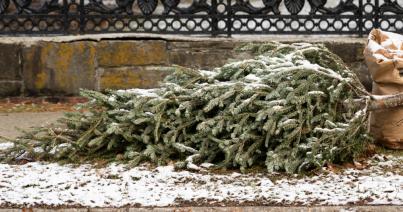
(284,110)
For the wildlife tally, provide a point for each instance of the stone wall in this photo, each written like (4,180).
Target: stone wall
(54,67)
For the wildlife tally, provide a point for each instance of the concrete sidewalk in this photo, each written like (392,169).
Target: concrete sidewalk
(25,120)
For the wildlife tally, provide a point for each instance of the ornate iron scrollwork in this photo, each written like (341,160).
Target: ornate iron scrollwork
(100,7)
(343,6)
(294,6)
(246,6)
(4,5)
(20,5)
(125,6)
(196,7)
(199,16)
(392,7)
(23,6)
(147,6)
(272,5)
(169,5)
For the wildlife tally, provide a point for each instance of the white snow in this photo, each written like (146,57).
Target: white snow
(253,78)
(58,148)
(316,93)
(112,98)
(210,74)
(117,185)
(254,85)
(141,92)
(277,107)
(6,145)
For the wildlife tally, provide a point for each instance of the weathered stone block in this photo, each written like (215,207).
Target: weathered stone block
(59,67)
(132,77)
(348,52)
(10,67)
(10,88)
(204,59)
(205,44)
(131,53)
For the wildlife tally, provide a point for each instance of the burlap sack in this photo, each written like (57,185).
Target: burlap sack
(384,57)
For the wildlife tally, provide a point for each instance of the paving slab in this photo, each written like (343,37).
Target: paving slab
(9,122)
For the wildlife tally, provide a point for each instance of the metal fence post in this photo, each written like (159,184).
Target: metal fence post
(214,20)
(376,14)
(82,17)
(360,18)
(65,12)
(229,18)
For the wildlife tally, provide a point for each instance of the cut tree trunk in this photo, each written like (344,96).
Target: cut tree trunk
(382,102)
(377,102)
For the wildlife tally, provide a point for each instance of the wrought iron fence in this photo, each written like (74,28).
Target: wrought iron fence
(215,17)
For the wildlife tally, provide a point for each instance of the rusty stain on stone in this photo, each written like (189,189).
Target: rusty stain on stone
(59,67)
(131,77)
(131,53)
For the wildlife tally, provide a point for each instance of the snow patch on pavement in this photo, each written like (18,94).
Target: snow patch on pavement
(117,185)
(6,145)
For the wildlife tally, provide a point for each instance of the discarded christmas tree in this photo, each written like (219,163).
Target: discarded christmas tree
(292,108)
